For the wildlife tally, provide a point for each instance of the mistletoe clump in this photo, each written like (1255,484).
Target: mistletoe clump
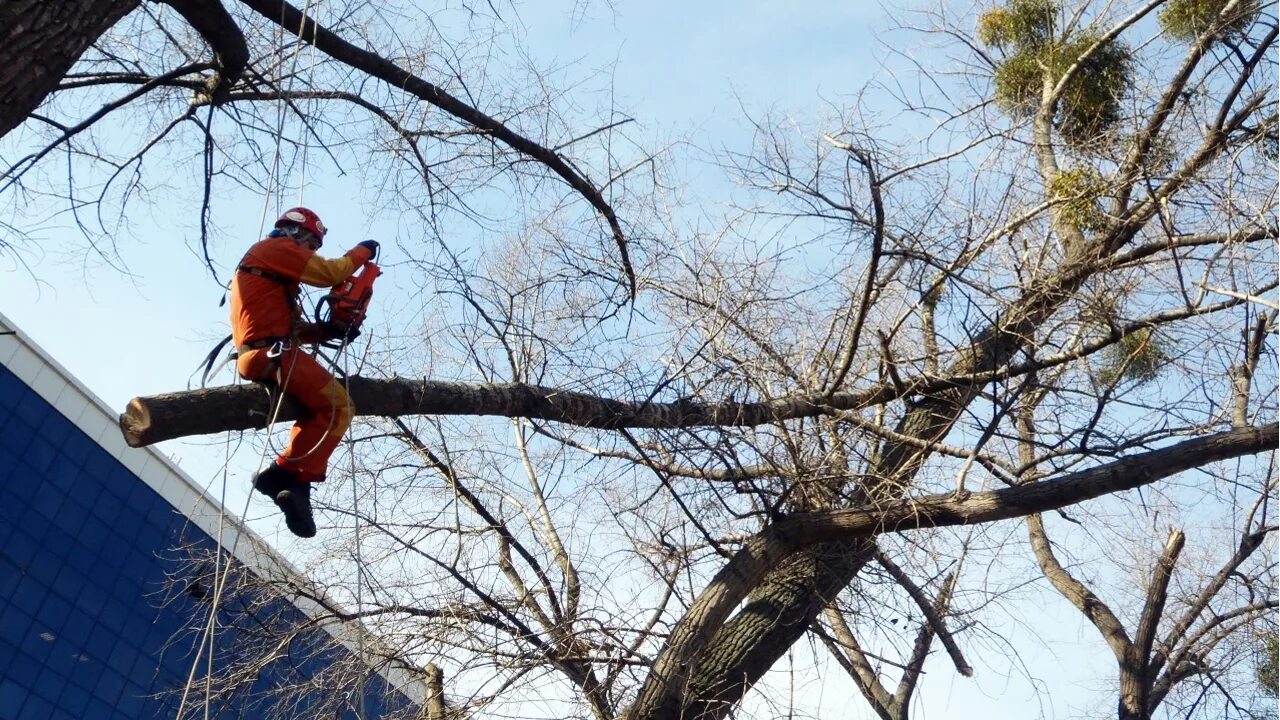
(1079,190)
(1189,19)
(1035,57)
(1138,357)
(1023,23)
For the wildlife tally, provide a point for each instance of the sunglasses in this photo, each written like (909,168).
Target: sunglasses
(306,237)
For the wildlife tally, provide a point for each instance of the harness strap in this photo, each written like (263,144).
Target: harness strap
(278,345)
(282,343)
(213,357)
(268,274)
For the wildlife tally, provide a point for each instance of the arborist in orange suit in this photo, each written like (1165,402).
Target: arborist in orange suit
(268,330)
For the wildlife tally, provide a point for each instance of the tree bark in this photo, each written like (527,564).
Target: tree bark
(40,41)
(779,611)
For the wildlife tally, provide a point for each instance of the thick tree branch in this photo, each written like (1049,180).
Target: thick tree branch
(1242,374)
(230,52)
(1093,608)
(1157,595)
(155,418)
(240,407)
(848,653)
(1135,666)
(924,639)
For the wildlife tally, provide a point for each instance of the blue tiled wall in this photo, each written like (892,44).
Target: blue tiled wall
(84,548)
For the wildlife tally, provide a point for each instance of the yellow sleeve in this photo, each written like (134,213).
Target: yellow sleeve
(322,272)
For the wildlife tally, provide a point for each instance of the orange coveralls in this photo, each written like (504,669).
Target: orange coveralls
(265,308)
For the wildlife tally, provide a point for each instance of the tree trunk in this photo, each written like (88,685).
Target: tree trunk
(773,619)
(435,709)
(40,41)
(1132,704)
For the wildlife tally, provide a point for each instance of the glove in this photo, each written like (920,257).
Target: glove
(337,331)
(371,246)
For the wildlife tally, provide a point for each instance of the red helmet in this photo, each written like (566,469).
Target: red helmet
(303,218)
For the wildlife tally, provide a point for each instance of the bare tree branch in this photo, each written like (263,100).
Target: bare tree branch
(307,29)
(930,609)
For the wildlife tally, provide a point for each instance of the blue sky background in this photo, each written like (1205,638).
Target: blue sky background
(685,71)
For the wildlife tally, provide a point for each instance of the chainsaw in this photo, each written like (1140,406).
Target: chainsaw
(343,310)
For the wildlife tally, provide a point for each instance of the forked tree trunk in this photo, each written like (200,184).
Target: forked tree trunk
(39,41)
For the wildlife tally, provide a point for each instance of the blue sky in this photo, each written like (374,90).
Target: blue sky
(683,70)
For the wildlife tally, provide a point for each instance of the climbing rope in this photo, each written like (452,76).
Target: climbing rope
(355,513)
(221,575)
(311,71)
(222,569)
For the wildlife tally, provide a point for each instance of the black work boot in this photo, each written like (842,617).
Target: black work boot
(295,502)
(271,481)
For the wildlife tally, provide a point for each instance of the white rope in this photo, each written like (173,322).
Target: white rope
(306,146)
(355,513)
(221,571)
(208,635)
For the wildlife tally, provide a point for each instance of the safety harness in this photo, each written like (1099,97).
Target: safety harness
(282,343)
(343,309)
(278,344)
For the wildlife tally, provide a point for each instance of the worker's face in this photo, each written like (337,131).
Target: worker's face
(305,237)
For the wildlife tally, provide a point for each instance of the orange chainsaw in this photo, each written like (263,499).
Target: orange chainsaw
(344,308)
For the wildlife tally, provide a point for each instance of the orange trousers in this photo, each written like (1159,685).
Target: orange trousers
(313,438)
